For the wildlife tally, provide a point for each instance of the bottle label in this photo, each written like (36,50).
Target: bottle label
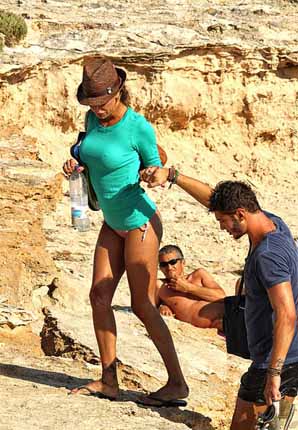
(79,212)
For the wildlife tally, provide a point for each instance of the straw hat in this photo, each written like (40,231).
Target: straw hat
(101,82)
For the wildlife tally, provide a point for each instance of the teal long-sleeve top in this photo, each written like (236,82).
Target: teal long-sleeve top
(113,155)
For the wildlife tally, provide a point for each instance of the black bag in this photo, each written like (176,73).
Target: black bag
(234,324)
(75,153)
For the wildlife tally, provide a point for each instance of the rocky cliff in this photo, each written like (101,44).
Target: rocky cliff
(218,81)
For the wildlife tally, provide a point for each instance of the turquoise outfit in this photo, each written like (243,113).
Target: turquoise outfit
(113,155)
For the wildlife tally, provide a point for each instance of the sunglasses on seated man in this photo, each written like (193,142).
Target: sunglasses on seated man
(170,262)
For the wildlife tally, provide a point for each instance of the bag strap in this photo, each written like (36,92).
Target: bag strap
(242,276)
(87,116)
(241,285)
(75,149)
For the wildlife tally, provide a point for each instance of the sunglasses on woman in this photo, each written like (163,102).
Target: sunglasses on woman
(170,262)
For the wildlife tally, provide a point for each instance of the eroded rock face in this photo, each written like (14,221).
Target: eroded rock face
(219,83)
(220,100)
(59,343)
(29,188)
(13,316)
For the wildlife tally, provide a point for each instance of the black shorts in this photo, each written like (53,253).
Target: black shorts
(253,383)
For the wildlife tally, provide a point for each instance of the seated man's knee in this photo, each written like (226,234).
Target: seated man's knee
(197,321)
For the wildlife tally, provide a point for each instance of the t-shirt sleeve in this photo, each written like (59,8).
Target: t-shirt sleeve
(146,144)
(272,268)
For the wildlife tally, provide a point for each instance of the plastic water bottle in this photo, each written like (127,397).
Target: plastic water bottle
(79,201)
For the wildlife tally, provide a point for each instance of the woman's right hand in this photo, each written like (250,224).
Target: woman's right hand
(69,166)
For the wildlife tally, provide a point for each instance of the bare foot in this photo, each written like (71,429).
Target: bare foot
(170,392)
(97,388)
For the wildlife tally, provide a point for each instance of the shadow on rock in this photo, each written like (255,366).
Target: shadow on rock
(53,379)
(192,419)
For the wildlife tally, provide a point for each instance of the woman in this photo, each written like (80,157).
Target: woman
(117,141)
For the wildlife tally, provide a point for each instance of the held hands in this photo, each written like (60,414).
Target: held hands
(154,176)
(69,166)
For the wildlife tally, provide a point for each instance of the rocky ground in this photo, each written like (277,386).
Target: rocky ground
(218,81)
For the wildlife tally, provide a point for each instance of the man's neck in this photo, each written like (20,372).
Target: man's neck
(258,227)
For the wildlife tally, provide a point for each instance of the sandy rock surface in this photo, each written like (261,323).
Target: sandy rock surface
(218,81)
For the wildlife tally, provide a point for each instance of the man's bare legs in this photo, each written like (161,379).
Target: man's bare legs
(107,271)
(141,259)
(207,315)
(246,414)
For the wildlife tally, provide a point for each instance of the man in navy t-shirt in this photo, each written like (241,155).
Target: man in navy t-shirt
(271,288)
(272,262)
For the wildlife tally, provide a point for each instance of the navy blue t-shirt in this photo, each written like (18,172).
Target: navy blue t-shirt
(273,261)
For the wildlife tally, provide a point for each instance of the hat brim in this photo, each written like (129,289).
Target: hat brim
(101,100)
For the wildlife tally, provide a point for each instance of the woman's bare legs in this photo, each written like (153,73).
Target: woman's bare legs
(141,259)
(107,271)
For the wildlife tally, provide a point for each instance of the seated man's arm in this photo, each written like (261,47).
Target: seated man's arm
(207,288)
(200,284)
(215,292)
(164,309)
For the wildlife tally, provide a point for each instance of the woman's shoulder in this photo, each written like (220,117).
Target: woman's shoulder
(137,116)
(140,121)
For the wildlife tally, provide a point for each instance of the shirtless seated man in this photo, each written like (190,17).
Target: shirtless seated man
(195,298)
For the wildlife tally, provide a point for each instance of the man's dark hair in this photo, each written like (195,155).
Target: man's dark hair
(171,248)
(231,195)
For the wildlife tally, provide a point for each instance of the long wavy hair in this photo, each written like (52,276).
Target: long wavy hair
(125,96)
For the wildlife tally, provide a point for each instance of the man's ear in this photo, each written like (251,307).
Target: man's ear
(241,214)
